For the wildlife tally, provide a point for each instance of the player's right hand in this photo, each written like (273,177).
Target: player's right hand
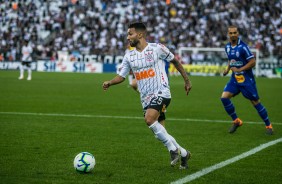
(106,85)
(188,87)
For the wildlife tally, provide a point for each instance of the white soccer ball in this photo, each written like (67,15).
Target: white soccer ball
(84,162)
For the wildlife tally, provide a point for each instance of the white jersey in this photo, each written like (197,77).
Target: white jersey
(118,66)
(26,53)
(148,68)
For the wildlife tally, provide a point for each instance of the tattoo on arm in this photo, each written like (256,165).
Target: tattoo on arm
(180,68)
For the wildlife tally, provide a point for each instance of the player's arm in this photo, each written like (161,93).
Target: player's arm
(179,67)
(248,66)
(226,71)
(116,80)
(122,73)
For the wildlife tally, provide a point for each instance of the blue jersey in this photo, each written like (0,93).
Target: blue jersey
(239,56)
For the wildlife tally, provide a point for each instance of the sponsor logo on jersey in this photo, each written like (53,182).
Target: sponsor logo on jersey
(240,78)
(145,74)
(233,62)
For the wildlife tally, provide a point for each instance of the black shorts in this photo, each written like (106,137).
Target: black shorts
(26,63)
(160,104)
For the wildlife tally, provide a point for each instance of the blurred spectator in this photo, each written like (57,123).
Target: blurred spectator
(98,26)
(1,57)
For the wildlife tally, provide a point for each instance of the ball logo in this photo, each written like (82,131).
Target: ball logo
(145,74)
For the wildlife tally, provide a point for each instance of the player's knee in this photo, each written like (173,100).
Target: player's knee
(223,95)
(255,102)
(226,94)
(149,121)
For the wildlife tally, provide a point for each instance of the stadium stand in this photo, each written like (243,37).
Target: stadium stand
(99,26)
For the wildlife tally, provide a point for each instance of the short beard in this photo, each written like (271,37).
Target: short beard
(234,41)
(134,43)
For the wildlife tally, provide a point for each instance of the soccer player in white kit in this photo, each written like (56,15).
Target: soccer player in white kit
(26,60)
(147,63)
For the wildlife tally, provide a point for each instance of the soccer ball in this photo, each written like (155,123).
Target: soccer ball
(84,162)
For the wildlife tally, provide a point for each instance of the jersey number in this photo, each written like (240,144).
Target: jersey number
(158,100)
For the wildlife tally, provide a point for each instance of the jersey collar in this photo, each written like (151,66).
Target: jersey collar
(238,43)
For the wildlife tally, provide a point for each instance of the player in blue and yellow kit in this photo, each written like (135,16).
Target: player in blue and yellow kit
(241,61)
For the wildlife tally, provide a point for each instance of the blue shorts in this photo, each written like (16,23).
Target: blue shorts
(248,91)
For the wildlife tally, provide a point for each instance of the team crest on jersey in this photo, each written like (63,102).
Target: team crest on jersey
(237,54)
(228,49)
(149,55)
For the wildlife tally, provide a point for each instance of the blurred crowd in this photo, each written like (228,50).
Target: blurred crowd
(100,26)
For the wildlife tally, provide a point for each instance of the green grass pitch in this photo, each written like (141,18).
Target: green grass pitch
(46,122)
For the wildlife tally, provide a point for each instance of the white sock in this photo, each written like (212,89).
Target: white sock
(158,130)
(183,152)
(130,79)
(29,72)
(21,70)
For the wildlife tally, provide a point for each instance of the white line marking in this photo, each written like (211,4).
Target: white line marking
(189,177)
(125,117)
(225,163)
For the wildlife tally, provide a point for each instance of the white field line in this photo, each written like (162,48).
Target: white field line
(207,170)
(124,117)
(189,177)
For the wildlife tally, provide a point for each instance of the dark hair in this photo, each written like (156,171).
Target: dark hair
(139,26)
(234,26)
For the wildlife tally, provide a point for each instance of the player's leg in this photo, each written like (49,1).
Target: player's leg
(21,71)
(151,118)
(228,105)
(230,91)
(251,93)
(264,116)
(29,71)
(161,120)
(152,113)
(185,154)
(134,84)
(130,78)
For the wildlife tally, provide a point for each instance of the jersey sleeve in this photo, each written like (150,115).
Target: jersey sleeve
(164,53)
(226,49)
(124,68)
(247,53)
